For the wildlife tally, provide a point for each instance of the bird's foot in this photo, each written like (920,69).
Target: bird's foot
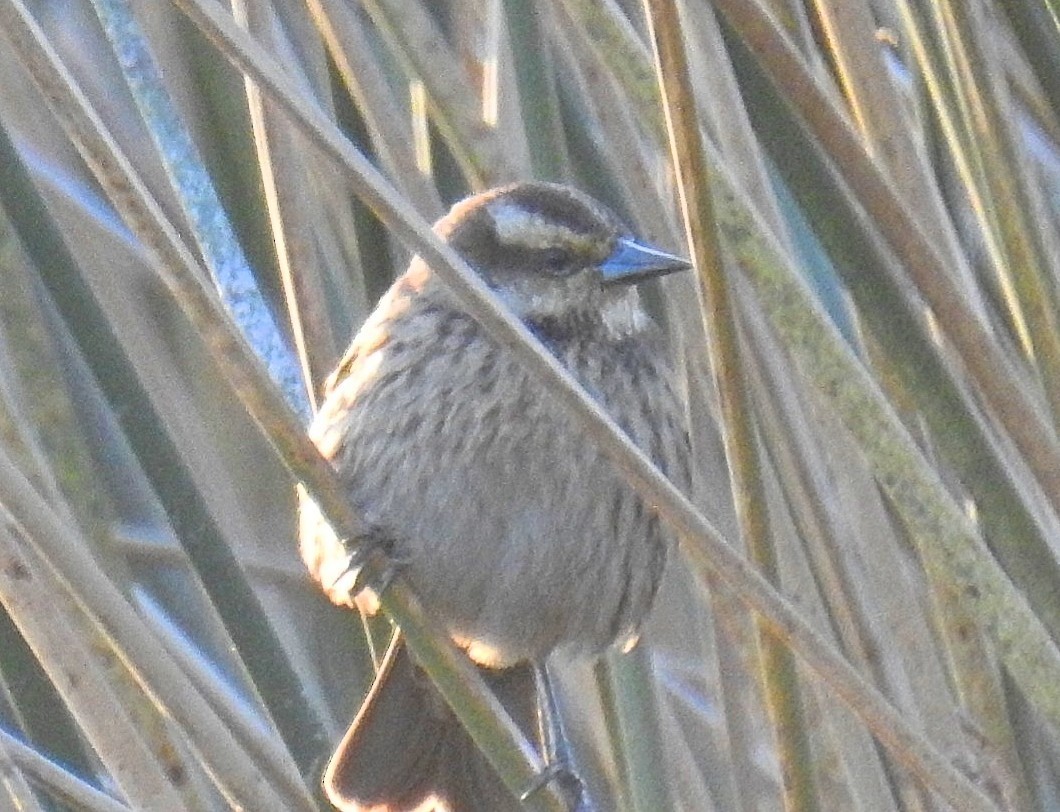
(565,779)
(362,571)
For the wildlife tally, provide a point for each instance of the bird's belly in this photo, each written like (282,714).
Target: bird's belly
(518,560)
(517,533)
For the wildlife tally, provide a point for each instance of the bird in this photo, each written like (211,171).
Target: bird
(512,528)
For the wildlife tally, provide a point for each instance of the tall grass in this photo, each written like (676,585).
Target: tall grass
(870,189)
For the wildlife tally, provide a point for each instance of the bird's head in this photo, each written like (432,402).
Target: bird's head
(555,254)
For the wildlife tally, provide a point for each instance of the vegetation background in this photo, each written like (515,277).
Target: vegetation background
(885,180)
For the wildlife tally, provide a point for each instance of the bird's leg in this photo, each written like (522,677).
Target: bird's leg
(556,751)
(549,729)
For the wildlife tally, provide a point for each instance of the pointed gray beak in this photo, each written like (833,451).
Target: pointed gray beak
(632,262)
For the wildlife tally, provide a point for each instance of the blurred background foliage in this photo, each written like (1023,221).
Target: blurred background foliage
(901,167)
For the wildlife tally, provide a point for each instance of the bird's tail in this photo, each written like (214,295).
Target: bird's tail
(406,747)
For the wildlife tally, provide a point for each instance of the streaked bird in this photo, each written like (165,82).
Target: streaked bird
(513,529)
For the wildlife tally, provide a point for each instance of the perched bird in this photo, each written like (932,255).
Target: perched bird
(512,528)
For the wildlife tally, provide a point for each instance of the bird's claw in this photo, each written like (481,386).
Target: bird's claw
(355,576)
(556,772)
(380,582)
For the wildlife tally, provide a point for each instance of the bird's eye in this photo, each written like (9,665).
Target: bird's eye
(556,261)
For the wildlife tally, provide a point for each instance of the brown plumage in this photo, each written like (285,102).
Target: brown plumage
(515,531)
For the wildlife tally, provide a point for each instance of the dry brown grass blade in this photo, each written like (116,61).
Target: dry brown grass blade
(776,663)
(988,367)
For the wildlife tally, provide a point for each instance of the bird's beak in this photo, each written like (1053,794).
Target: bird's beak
(633,262)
